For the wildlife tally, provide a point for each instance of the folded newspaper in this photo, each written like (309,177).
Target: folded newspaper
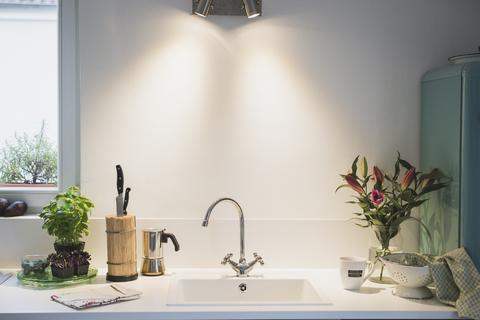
(97,297)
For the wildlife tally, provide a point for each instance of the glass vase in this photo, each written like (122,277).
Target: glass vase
(384,240)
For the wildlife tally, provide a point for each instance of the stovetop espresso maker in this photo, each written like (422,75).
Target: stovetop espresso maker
(153,262)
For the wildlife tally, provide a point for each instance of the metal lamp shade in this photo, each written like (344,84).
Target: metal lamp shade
(251,8)
(202,7)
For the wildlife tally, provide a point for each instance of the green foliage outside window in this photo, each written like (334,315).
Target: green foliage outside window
(29,160)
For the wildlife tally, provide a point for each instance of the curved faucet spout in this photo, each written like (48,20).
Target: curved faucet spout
(242,224)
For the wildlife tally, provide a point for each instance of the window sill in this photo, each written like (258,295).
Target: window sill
(35,198)
(25,216)
(26,185)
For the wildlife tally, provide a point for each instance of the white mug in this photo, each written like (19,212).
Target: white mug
(353,272)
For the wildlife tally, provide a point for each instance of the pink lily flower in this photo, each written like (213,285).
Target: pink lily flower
(377,197)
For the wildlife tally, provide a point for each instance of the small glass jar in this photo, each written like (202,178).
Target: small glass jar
(34,264)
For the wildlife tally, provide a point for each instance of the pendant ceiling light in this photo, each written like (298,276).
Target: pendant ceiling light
(252,9)
(201,7)
(249,8)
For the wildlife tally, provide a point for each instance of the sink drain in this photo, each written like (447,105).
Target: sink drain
(242,287)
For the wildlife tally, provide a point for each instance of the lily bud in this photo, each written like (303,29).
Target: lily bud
(353,183)
(408,178)
(428,182)
(377,174)
(364,167)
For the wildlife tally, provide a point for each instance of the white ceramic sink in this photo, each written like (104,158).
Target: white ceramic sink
(255,290)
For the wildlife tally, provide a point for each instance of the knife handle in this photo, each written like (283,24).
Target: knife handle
(119,179)
(125,203)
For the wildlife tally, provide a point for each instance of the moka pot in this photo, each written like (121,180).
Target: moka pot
(153,239)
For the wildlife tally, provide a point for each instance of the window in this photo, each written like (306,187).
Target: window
(66,117)
(28,86)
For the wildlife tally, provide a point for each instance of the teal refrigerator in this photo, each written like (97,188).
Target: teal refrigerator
(451,142)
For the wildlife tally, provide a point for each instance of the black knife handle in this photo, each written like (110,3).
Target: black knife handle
(125,203)
(119,179)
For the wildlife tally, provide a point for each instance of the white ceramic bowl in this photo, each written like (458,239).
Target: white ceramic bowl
(412,280)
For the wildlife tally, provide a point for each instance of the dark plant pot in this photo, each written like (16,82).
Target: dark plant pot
(77,247)
(82,270)
(62,273)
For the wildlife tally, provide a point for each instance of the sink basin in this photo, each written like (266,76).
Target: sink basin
(255,290)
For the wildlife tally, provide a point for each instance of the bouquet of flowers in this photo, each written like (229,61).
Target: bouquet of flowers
(389,204)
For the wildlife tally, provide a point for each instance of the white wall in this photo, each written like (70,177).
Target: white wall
(267,111)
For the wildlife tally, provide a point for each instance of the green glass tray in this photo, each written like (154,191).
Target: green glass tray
(47,280)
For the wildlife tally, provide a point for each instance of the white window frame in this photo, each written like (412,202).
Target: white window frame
(68,115)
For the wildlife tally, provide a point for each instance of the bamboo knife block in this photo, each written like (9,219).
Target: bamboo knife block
(121,248)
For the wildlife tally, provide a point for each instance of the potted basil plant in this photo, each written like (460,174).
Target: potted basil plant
(66,218)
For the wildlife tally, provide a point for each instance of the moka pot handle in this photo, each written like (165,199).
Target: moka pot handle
(166,236)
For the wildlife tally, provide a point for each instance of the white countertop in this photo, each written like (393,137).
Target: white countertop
(372,301)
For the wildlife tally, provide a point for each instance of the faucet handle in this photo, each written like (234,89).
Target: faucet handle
(226,259)
(258,258)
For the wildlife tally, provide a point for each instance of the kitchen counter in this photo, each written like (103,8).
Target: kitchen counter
(372,301)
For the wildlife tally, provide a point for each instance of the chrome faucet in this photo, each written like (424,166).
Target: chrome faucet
(242,268)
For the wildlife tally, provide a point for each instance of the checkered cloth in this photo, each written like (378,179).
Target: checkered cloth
(457,281)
